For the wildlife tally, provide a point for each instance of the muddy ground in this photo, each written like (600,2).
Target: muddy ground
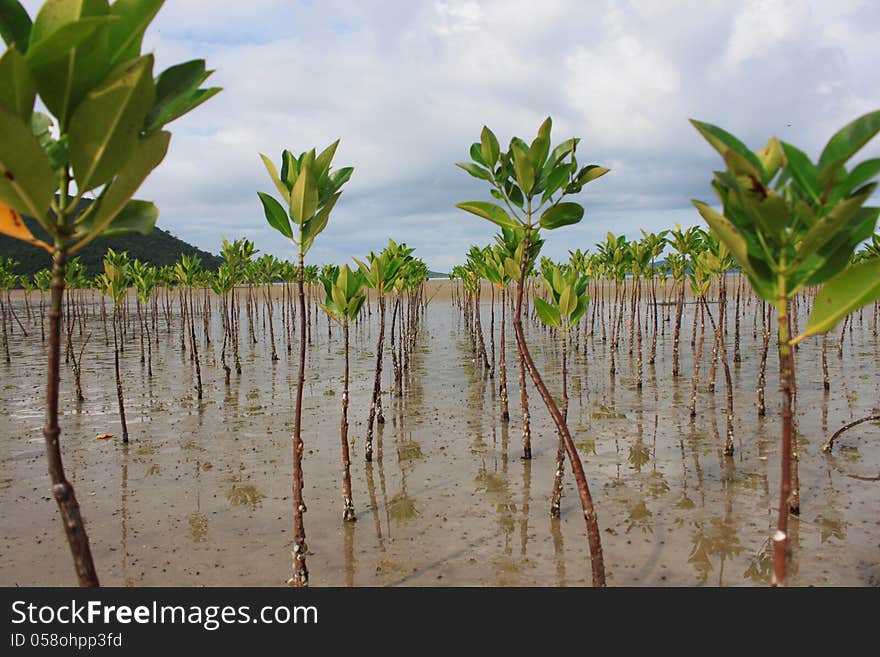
(201,496)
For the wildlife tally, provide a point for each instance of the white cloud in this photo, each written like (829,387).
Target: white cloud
(407,87)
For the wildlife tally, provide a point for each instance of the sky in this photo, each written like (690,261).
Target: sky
(408,85)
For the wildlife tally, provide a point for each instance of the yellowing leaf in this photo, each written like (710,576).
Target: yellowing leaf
(13,225)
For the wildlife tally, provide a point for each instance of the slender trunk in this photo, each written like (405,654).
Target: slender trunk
(492,333)
(377,382)
(786,365)
(119,396)
(556,496)
(193,346)
(697,357)
(62,490)
(502,364)
(762,370)
(524,400)
(593,536)
(728,443)
(300,571)
(826,383)
(348,505)
(794,498)
(5,334)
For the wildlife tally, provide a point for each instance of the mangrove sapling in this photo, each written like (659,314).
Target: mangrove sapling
(84,60)
(222,284)
(510,241)
(699,280)
(311,192)
(270,270)
(499,277)
(187,270)
(43,279)
(566,304)
(380,272)
(114,283)
(528,177)
(797,230)
(344,297)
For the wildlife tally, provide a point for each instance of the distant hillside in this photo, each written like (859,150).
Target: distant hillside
(159,248)
(436,274)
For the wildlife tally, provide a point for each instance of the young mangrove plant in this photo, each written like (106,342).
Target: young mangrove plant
(310,190)
(791,223)
(344,297)
(566,304)
(532,181)
(114,283)
(380,272)
(84,60)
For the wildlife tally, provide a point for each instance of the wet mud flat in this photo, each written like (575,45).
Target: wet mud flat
(201,495)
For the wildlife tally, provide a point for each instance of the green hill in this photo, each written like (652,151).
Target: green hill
(159,248)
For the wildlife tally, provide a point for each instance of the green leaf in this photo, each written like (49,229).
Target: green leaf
(476,153)
(562,214)
(556,178)
(489,211)
(104,129)
(544,129)
(135,217)
(340,177)
(567,301)
(177,93)
(844,294)
(304,195)
(802,171)
(839,219)
(58,43)
(725,231)
(69,52)
(27,182)
(322,162)
(276,215)
(523,168)
(548,314)
(127,33)
(145,157)
(273,174)
(15,24)
(511,269)
(475,170)
(314,226)
(861,173)
(489,147)
(562,151)
(590,173)
(769,211)
(837,254)
(539,150)
(579,310)
(722,141)
(847,141)
(17,87)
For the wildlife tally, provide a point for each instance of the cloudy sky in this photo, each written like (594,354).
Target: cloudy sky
(408,85)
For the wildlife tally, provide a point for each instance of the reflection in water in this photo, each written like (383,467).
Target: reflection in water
(639,516)
(246,495)
(374,505)
(716,539)
(527,496)
(558,550)
(348,529)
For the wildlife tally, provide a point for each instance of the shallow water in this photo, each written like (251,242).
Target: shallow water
(201,496)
